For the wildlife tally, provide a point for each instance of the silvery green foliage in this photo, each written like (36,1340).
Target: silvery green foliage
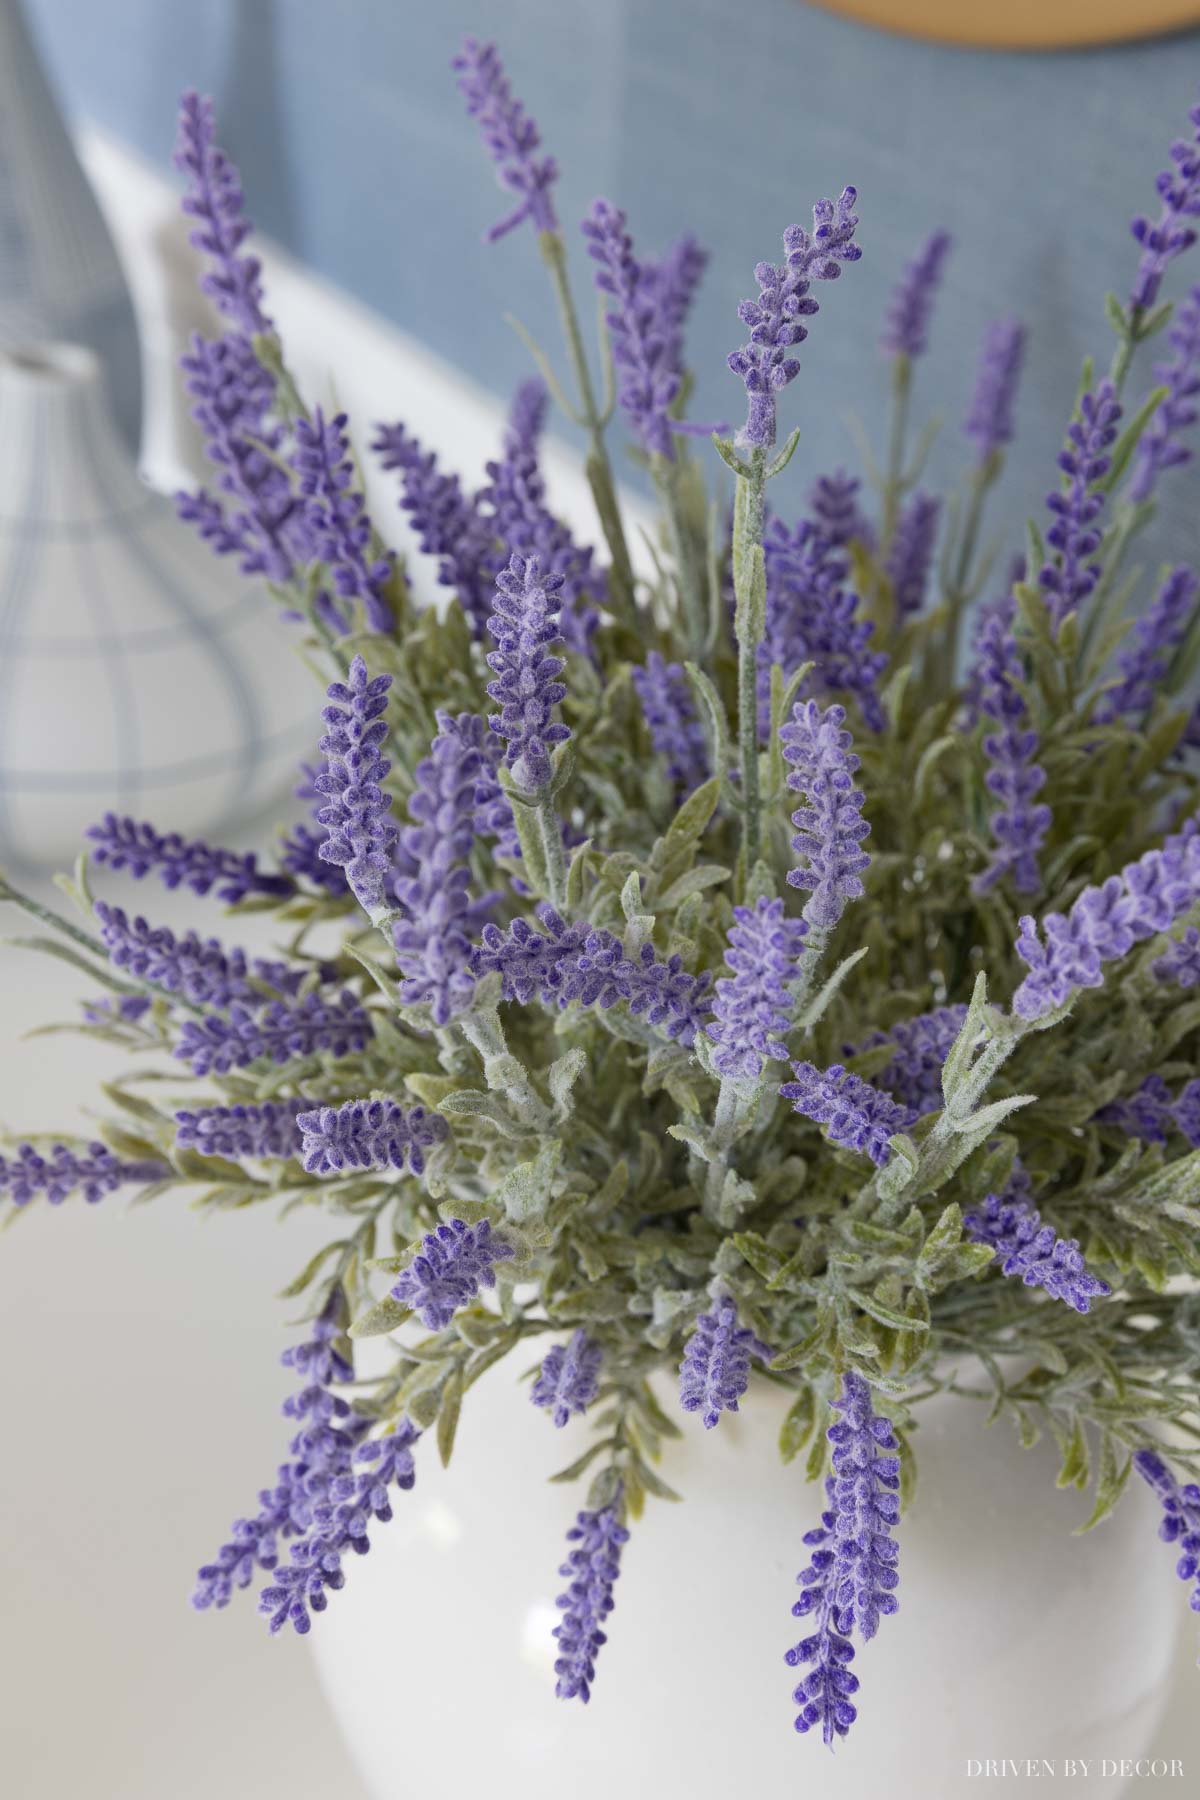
(589,1130)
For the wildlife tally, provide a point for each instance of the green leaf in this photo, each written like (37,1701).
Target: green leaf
(1128,441)
(524,1193)
(716,722)
(817,1005)
(562,1076)
(386,1315)
(982,1123)
(798,1425)
(962,1051)
(886,1315)
(448,1415)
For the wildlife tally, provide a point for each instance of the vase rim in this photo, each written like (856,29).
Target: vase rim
(45,363)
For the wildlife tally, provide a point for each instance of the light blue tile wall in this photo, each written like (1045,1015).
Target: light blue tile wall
(726,116)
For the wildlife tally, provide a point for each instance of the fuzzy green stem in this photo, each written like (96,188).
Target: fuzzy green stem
(552,849)
(893,483)
(689,564)
(749,584)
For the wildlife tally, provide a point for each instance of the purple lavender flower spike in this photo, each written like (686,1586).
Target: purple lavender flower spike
(317,1025)
(300,855)
(523,625)
(368,1134)
(361,836)
(823,1695)
(1012,1225)
(783,300)
(511,137)
(1021,822)
(914,1075)
(270,1131)
(647,378)
(715,1371)
(202,971)
(1168,237)
(214,199)
(1151,1113)
(1074,535)
(449,1268)
(592,1567)
(752,1006)
(833,504)
(93,1172)
(910,555)
(232,395)
(859,1117)
(675,731)
(907,319)
(1146,659)
(449,525)
(337,517)
(121,1008)
(1181,1516)
(1159,448)
(568,1378)
(675,279)
(1180,961)
(830,826)
(813,617)
(989,423)
(124,844)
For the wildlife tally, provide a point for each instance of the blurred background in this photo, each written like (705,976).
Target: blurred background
(140,1347)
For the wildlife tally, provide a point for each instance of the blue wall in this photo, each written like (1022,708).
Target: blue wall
(725,116)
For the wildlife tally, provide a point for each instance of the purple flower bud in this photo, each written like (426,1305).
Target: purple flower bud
(1168,237)
(361,836)
(368,1134)
(138,849)
(914,1075)
(300,855)
(911,303)
(830,826)
(1180,961)
(674,280)
(449,1268)
(1018,826)
(95,1172)
(337,517)
(523,624)
(510,136)
(1181,1517)
(812,616)
(203,972)
(675,731)
(990,420)
(1012,1226)
(833,504)
(270,1130)
(859,1117)
(1071,577)
(1151,1112)
(783,300)
(752,1006)
(592,1567)
(1159,447)
(641,339)
(715,1371)
(1146,659)
(314,1026)
(910,554)
(448,524)
(214,199)
(568,1378)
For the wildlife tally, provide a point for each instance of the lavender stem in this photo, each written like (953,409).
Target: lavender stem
(894,483)
(749,586)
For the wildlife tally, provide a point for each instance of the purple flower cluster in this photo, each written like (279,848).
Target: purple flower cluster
(1021,821)
(450,1266)
(836,515)
(524,624)
(336,517)
(907,319)
(511,137)
(989,423)
(214,199)
(367,1134)
(1146,659)
(1180,1522)
(567,1381)
(360,835)
(829,826)
(1164,239)
(94,1172)
(783,300)
(138,849)
(648,376)
(715,1371)
(674,279)
(852,1578)
(1152,1112)
(591,1568)
(449,525)
(1011,1224)
(1074,534)
(318,1024)
(752,1007)
(1159,448)
(1180,961)
(914,1075)
(812,616)
(859,1117)
(201,970)
(270,1130)
(1105,922)
(675,731)
(584,965)
(910,554)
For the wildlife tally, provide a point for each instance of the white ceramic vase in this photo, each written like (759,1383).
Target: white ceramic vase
(60,278)
(1014,1639)
(137,672)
